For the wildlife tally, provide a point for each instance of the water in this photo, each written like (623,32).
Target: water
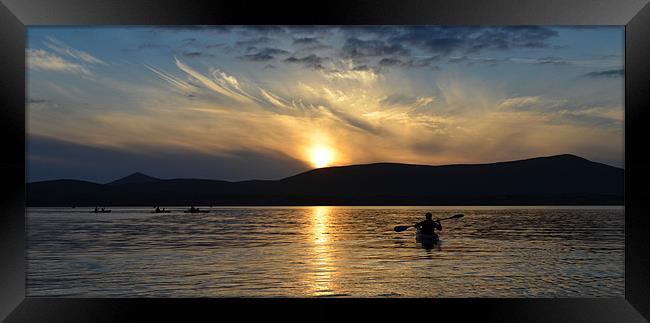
(325,251)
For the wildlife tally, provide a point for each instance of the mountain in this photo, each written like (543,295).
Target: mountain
(134,178)
(561,180)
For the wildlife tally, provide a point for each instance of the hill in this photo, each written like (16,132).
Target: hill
(561,180)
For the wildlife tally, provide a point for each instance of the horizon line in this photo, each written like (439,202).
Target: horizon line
(328,167)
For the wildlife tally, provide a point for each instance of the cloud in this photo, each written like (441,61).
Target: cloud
(606,74)
(176,83)
(560,111)
(197,54)
(532,103)
(39,104)
(223,86)
(346,102)
(306,41)
(263,55)
(254,41)
(38,59)
(385,62)
(405,100)
(467,40)
(361,76)
(551,60)
(63,49)
(357,48)
(312,61)
(410,63)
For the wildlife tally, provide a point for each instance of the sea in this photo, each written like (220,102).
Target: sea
(326,251)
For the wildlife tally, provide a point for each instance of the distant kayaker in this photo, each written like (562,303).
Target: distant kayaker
(428,226)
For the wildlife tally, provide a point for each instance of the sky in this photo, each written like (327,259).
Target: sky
(267,102)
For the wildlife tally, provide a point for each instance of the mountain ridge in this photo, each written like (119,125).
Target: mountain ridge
(563,179)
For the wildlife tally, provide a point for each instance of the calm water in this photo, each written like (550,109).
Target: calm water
(325,251)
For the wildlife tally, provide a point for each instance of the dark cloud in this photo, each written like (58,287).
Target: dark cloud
(263,55)
(357,48)
(387,62)
(254,41)
(311,61)
(258,57)
(264,30)
(421,62)
(306,41)
(469,61)
(41,103)
(273,51)
(362,68)
(197,54)
(410,63)
(551,60)
(309,43)
(447,40)
(606,74)
(381,32)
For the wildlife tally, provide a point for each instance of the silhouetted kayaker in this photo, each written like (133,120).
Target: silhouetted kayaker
(428,226)
(157,209)
(96,210)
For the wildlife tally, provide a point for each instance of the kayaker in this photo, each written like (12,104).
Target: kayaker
(428,226)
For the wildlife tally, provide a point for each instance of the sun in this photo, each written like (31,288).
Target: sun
(321,157)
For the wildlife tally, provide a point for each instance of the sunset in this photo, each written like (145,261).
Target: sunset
(325,161)
(269,102)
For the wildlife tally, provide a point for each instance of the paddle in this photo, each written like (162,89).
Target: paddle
(401,228)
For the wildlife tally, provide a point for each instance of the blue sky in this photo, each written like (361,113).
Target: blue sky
(234,102)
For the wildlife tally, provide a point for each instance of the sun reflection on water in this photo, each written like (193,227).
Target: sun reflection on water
(324,269)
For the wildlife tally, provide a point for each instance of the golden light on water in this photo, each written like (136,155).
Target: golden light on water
(321,156)
(319,224)
(322,279)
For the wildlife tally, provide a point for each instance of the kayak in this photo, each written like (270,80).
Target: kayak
(430,238)
(196,211)
(166,211)
(106,211)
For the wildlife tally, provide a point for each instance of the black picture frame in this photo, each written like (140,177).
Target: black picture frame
(16,14)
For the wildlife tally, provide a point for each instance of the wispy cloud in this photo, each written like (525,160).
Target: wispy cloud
(405,94)
(606,74)
(63,49)
(39,59)
(176,83)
